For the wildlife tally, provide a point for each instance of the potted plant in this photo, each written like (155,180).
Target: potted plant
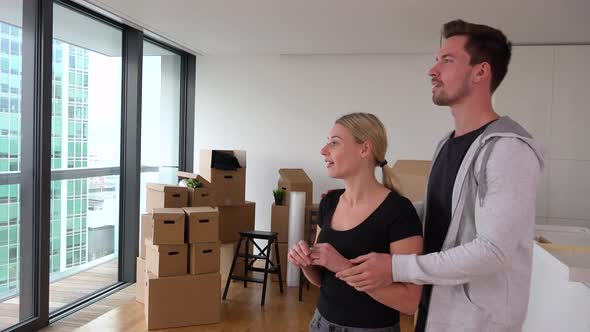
(194,183)
(279,195)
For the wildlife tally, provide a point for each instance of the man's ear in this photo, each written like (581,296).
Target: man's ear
(483,73)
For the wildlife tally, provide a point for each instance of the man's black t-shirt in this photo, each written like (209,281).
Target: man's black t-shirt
(440,194)
(395,219)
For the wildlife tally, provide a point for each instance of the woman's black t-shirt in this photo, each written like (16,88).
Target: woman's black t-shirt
(395,219)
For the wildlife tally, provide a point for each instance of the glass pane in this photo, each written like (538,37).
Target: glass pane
(10,139)
(160,118)
(86,131)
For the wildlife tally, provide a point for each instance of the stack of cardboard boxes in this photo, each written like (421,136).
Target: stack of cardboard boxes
(235,213)
(291,180)
(178,276)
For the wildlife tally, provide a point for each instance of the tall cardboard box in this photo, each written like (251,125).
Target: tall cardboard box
(409,178)
(204,257)
(279,221)
(230,185)
(203,196)
(182,300)
(234,219)
(167,226)
(283,251)
(295,179)
(140,280)
(165,196)
(202,224)
(145,228)
(226,253)
(166,260)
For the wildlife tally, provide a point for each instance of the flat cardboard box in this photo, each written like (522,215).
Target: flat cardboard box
(166,260)
(230,186)
(146,225)
(167,226)
(182,300)
(165,196)
(140,280)
(279,221)
(234,219)
(204,257)
(283,250)
(202,224)
(409,178)
(295,179)
(203,196)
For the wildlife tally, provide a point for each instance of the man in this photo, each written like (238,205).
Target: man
(479,210)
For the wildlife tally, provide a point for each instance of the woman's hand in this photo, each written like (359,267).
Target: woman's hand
(323,254)
(299,254)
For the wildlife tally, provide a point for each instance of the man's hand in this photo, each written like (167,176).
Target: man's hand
(325,255)
(373,271)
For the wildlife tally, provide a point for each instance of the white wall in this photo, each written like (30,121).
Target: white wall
(280,109)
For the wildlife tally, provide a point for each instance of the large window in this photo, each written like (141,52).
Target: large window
(10,159)
(160,118)
(68,163)
(86,126)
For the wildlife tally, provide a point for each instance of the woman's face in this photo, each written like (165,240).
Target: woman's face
(343,155)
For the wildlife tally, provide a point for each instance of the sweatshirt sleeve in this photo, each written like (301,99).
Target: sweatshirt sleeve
(505,219)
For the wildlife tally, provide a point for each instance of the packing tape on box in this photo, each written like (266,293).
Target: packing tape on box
(296,223)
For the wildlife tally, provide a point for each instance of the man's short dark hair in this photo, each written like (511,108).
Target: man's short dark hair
(484,44)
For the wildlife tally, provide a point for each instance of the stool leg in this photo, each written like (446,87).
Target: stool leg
(301,277)
(231,269)
(246,262)
(266,263)
(280,272)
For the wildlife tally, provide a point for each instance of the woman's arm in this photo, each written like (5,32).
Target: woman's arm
(401,296)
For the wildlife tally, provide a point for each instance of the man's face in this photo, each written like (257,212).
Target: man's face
(451,76)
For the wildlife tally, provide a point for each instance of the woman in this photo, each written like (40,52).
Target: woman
(365,217)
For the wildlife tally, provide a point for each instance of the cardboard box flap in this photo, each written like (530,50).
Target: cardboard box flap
(165,212)
(201,209)
(187,175)
(294,176)
(409,178)
(165,187)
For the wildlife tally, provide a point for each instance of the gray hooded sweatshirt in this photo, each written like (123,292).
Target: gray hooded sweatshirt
(481,277)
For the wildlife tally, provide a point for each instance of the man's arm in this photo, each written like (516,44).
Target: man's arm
(505,218)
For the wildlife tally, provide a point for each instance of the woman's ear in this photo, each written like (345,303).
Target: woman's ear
(366,149)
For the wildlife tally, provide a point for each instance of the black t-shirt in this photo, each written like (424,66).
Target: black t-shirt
(395,219)
(440,195)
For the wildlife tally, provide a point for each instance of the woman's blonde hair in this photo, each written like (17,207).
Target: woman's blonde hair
(367,127)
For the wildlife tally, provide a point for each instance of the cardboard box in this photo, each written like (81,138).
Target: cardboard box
(409,178)
(283,251)
(182,300)
(226,254)
(145,225)
(166,260)
(230,185)
(202,224)
(234,219)
(203,196)
(167,226)
(279,221)
(165,196)
(204,257)
(295,179)
(140,280)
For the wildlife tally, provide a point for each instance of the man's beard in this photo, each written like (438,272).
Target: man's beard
(442,99)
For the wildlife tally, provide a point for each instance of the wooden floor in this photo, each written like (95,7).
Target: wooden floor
(240,312)
(66,291)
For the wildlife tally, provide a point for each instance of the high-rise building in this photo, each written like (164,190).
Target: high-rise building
(69,149)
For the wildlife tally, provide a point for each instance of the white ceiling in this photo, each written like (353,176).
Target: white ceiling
(345,26)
